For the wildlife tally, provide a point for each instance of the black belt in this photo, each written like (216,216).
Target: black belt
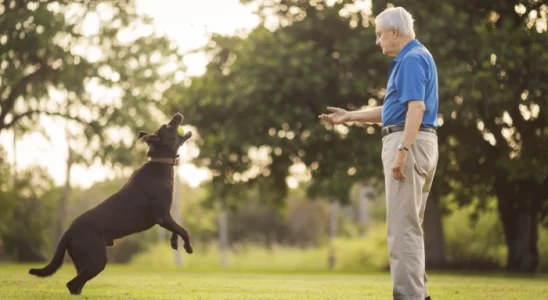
(395,128)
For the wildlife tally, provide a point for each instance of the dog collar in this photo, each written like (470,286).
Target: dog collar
(166,160)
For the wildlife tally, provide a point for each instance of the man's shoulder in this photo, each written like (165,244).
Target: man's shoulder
(418,53)
(419,56)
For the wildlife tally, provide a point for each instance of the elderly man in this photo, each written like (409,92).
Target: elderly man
(409,146)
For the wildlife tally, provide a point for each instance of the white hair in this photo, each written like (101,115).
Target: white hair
(398,18)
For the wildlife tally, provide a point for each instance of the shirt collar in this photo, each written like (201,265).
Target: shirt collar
(408,47)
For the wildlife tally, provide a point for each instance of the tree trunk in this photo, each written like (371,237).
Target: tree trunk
(518,205)
(364,192)
(333,228)
(434,239)
(62,206)
(14,174)
(223,238)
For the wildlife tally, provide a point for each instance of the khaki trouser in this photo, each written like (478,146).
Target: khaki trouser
(405,203)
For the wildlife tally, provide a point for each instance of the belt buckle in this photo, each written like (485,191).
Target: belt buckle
(386,130)
(389,128)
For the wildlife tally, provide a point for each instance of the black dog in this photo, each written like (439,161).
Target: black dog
(144,201)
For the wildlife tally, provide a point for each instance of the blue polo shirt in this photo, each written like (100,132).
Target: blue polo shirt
(412,76)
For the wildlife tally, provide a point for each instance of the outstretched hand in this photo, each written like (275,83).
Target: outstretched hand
(337,115)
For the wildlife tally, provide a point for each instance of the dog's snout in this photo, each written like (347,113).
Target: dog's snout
(177,119)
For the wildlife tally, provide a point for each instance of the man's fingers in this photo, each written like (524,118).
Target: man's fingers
(398,174)
(333,109)
(399,177)
(326,118)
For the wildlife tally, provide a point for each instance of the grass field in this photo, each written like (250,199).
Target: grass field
(130,282)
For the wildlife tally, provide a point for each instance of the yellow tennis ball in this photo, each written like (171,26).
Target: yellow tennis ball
(180,130)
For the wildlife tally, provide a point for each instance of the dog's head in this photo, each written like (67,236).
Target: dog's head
(166,140)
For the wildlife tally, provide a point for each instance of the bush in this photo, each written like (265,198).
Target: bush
(363,253)
(240,257)
(352,254)
(543,249)
(469,245)
(26,213)
(477,245)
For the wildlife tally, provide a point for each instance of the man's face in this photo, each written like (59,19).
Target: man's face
(386,39)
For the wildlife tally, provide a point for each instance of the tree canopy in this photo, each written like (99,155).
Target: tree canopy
(262,94)
(83,62)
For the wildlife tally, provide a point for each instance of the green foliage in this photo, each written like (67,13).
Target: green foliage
(543,251)
(474,244)
(103,80)
(471,245)
(27,209)
(363,253)
(6,195)
(265,91)
(263,94)
(241,257)
(491,96)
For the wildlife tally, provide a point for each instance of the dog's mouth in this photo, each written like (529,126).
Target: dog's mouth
(169,136)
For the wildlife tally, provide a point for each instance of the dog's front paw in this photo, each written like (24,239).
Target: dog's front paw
(188,248)
(174,244)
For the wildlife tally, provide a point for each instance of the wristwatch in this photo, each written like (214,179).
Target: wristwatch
(402,147)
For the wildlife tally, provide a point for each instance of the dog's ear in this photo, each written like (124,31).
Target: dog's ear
(142,134)
(147,138)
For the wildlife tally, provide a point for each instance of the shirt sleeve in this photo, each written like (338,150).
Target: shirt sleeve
(412,79)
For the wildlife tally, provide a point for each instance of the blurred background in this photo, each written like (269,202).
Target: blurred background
(263,184)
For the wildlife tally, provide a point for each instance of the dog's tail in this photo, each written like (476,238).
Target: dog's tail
(56,261)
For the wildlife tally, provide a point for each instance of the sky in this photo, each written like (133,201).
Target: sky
(188,23)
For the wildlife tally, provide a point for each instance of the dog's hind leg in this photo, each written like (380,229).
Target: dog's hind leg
(73,261)
(168,223)
(90,257)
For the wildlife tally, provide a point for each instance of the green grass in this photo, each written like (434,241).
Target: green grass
(137,282)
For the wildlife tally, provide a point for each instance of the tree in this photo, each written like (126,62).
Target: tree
(27,210)
(256,107)
(263,93)
(491,63)
(81,62)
